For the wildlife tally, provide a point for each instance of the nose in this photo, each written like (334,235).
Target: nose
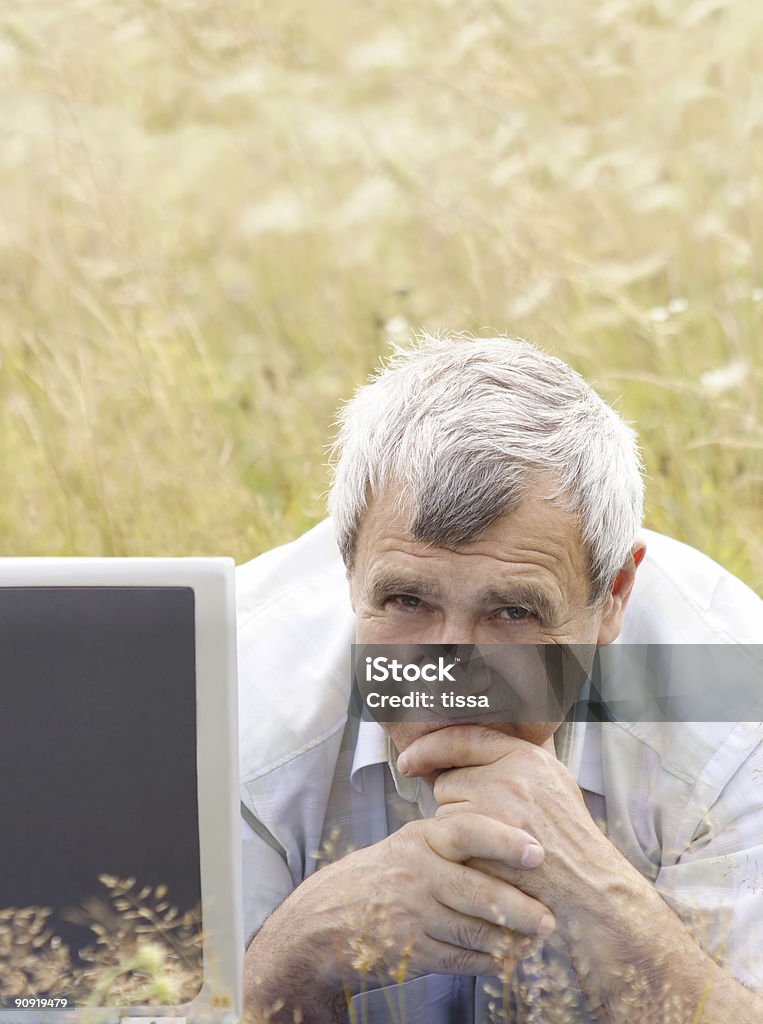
(456,632)
(458,652)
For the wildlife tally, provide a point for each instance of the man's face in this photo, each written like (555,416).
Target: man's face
(525,580)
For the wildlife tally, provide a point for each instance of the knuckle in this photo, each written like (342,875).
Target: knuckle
(468,936)
(457,835)
(458,961)
(483,937)
(478,898)
(445,811)
(410,835)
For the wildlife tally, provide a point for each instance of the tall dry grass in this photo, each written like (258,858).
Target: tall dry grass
(142,951)
(214,215)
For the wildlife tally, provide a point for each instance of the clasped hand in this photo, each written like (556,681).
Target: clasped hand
(482,771)
(413,904)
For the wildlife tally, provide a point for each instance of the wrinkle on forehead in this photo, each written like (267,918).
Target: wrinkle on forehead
(539,541)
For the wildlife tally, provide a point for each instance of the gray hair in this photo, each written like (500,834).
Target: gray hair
(462,427)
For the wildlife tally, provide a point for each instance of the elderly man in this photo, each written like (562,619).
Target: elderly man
(555,871)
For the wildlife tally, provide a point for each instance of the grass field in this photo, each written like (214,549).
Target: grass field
(216,214)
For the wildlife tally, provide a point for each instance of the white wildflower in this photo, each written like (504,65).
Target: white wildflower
(723,378)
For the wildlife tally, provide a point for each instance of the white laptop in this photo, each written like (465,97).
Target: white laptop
(120,878)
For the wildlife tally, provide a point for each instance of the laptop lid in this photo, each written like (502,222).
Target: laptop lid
(120,892)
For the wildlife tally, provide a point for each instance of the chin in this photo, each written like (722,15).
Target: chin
(403,734)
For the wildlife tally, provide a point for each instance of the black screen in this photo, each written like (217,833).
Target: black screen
(97,752)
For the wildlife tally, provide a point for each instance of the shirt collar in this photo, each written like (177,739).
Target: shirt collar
(372,747)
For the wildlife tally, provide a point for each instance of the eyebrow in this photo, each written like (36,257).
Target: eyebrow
(514,593)
(385,584)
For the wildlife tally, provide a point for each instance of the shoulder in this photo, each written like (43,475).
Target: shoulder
(684,599)
(682,596)
(299,566)
(295,628)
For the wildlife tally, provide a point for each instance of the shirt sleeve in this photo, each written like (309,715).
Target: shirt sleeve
(267,879)
(716,885)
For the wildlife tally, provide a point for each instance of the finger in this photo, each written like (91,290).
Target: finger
(445,958)
(459,746)
(463,836)
(469,933)
(474,894)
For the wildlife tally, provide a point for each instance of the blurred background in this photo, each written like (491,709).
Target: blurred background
(217,215)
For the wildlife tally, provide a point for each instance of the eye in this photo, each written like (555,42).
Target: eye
(513,613)
(405,600)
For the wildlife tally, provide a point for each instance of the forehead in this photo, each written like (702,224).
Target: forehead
(538,545)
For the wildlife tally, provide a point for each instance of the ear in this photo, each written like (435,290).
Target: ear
(617,599)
